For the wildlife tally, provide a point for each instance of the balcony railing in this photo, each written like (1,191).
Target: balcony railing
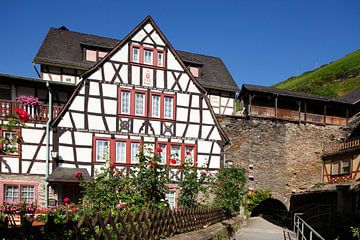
(291,115)
(342,146)
(36,113)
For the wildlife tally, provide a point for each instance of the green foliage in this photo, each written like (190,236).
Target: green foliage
(143,188)
(9,146)
(333,79)
(355,232)
(229,189)
(254,199)
(191,185)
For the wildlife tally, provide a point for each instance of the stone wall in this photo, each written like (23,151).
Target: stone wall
(282,156)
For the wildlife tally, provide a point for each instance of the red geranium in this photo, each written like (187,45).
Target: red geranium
(78,175)
(152,164)
(73,210)
(37,211)
(66,200)
(22,114)
(188,153)
(159,150)
(173,161)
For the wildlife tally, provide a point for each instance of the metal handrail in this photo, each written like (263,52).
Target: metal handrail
(299,228)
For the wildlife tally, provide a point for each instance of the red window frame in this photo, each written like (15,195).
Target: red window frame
(162,106)
(154,51)
(132,102)
(182,149)
(112,149)
(18,184)
(18,132)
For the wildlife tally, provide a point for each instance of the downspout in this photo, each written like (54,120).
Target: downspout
(48,144)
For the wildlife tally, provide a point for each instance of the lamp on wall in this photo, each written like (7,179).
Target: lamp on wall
(54,154)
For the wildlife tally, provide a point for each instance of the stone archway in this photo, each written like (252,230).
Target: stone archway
(268,206)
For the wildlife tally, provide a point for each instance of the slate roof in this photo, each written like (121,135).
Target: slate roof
(64,48)
(352,97)
(282,92)
(26,81)
(61,174)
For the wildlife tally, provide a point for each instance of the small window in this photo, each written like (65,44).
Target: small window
(162,155)
(139,104)
(135,152)
(148,57)
(176,153)
(90,55)
(102,150)
(120,152)
(189,153)
(168,107)
(27,193)
(345,168)
(155,110)
(136,55)
(160,59)
(335,168)
(11,193)
(5,93)
(170,197)
(125,102)
(101,54)
(195,71)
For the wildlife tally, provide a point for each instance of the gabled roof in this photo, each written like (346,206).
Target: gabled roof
(91,70)
(214,73)
(281,92)
(62,47)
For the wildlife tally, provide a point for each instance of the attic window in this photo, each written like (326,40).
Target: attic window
(195,71)
(94,55)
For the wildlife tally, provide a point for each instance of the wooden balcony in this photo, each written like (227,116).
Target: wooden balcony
(296,116)
(349,144)
(35,113)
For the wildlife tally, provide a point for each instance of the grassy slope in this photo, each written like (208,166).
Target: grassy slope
(333,79)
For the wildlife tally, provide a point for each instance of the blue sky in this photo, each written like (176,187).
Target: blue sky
(261,41)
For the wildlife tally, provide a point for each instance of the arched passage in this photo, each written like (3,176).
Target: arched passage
(268,206)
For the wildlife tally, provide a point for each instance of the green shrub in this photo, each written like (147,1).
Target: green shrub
(229,189)
(254,199)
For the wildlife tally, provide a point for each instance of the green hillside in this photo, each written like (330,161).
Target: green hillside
(334,79)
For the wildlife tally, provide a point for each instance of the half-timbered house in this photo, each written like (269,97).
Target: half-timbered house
(64,55)
(140,93)
(22,173)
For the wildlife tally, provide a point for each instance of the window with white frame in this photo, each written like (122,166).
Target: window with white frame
(341,167)
(11,193)
(139,104)
(136,54)
(125,102)
(160,59)
(27,193)
(171,199)
(102,150)
(16,193)
(189,153)
(11,141)
(148,57)
(155,111)
(162,154)
(176,153)
(135,152)
(120,152)
(168,107)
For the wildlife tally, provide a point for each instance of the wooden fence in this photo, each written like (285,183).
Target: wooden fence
(144,225)
(291,115)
